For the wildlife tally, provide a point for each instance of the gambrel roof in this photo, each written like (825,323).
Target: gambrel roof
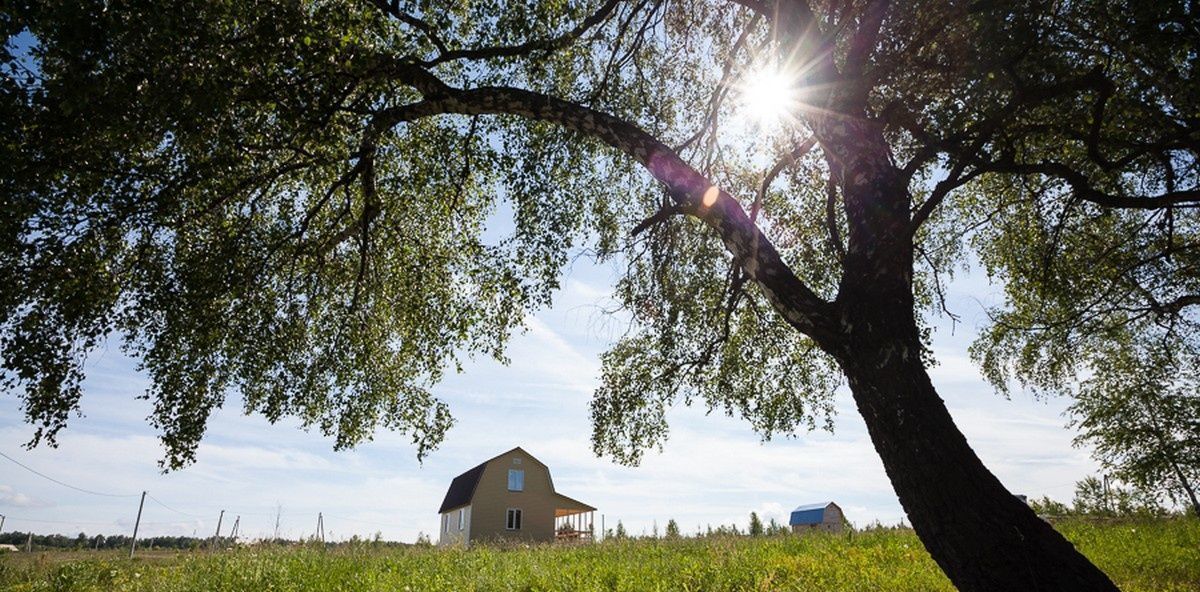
(810,513)
(462,488)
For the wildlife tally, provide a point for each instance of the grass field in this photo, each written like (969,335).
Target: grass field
(1162,555)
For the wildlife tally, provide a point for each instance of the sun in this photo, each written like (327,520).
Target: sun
(769,95)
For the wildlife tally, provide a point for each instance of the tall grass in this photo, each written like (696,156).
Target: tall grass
(1161,555)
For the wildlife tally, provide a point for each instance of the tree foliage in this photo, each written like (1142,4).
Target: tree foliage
(1141,415)
(243,195)
(672,531)
(1096,497)
(756,525)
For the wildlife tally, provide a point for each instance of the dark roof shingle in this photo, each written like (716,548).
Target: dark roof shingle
(461,489)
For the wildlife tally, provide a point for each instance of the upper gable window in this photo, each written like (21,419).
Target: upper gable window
(516,480)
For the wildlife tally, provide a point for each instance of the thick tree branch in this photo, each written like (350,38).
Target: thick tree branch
(831,223)
(862,45)
(690,190)
(502,51)
(788,159)
(1175,306)
(1083,188)
(967,149)
(955,180)
(662,215)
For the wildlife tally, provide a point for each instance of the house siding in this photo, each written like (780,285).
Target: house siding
(452,535)
(492,501)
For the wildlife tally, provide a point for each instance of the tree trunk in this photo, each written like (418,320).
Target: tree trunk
(1187,488)
(982,536)
(1170,458)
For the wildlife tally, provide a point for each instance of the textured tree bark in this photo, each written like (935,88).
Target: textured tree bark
(983,537)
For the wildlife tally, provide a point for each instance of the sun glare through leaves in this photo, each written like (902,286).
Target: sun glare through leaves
(769,95)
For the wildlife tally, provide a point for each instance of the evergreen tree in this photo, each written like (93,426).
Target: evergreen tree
(775,528)
(756,525)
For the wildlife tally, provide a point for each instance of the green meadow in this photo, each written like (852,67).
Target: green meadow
(1145,555)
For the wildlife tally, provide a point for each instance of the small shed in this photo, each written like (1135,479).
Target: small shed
(821,516)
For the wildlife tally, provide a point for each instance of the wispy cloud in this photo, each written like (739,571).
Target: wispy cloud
(12,498)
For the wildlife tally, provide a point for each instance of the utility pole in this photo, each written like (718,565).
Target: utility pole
(321,527)
(278,511)
(136,524)
(29,543)
(217,537)
(2,517)
(233,535)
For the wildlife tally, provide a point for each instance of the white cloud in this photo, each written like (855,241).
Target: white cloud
(10,497)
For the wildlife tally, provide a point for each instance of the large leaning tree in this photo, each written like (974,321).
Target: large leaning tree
(320,206)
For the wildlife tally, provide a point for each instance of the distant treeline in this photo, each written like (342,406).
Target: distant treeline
(83,541)
(120,541)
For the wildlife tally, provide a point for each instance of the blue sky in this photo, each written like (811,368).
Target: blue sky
(713,470)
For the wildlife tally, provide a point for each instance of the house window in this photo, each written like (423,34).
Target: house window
(513,520)
(445,523)
(516,480)
(462,518)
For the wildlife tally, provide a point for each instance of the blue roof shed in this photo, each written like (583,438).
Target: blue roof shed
(811,513)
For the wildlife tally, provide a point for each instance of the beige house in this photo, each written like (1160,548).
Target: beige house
(511,497)
(819,517)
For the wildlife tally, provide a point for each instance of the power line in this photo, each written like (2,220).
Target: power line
(84,522)
(372,522)
(152,498)
(68,485)
(155,500)
(20,519)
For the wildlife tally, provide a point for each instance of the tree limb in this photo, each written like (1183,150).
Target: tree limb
(392,8)
(1083,189)
(799,305)
(862,45)
(501,51)
(662,215)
